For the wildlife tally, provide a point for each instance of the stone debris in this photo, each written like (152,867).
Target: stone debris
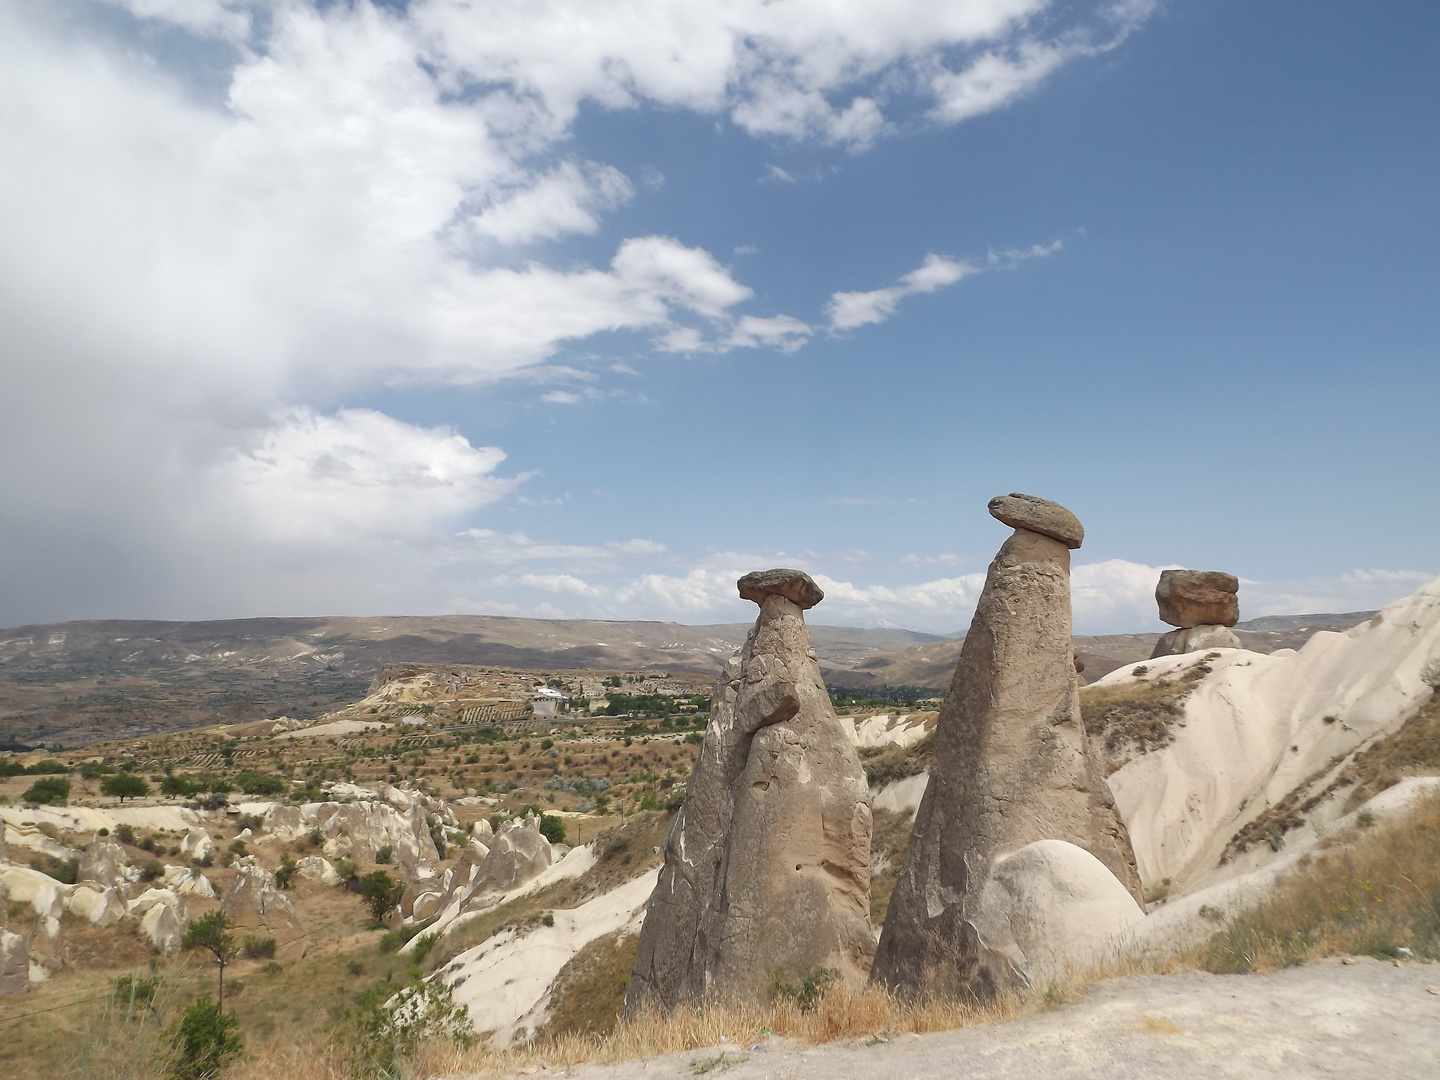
(767,865)
(1011,767)
(1190,598)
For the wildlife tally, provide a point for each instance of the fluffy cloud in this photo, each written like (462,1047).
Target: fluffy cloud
(206,246)
(357,474)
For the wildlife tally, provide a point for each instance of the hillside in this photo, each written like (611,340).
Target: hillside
(77,682)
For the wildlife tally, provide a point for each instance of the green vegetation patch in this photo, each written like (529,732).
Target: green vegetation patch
(1137,718)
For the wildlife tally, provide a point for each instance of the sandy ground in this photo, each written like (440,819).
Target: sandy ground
(1370,1019)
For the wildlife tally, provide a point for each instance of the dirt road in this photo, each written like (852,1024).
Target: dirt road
(1369,1019)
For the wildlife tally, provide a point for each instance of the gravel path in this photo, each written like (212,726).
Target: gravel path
(1369,1019)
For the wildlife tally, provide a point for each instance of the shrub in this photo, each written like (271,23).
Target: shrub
(383,854)
(48,767)
(258,947)
(48,791)
(248,821)
(1430,675)
(237,848)
(285,871)
(388,1029)
(805,987)
(125,834)
(94,770)
(316,838)
(205,1040)
(151,869)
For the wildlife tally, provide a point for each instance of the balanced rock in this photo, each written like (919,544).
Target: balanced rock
(1011,767)
(1194,639)
(1190,598)
(767,865)
(1038,515)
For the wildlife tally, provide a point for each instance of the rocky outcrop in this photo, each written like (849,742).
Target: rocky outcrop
(46,948)
(518,854)
(253,901)
(14,964)
(315,868)
(103,862)
(1052,909)
(197,845)
(1011,767)
(102,907)
(767,863)
(163,918)
(1203,604)
(1189,598)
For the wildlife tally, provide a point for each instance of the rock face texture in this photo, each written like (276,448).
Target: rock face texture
(1011,768)
(103,863)
(1190,598)
(767,863)
(1195,638)
(14,964)
(254,901)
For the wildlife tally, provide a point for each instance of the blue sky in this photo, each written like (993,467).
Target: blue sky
(584,308)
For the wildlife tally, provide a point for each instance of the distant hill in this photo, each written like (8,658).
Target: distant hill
(82,681)
(79,682)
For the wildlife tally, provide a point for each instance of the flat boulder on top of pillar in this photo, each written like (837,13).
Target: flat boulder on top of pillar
(795,585)
(1191,598)
(767,865)
(1011,768)
(1038,515)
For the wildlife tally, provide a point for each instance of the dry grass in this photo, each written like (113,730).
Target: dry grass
(1375,892)
(1136,718)
(888,845)
(886,764)
(587,995)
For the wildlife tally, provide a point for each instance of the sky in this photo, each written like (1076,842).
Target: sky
(583,308)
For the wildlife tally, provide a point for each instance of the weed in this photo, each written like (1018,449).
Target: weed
(719,1063)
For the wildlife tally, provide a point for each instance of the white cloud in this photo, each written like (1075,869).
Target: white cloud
(351,196)
(1357,590)
(356,475)
(847,310)
(568,199)
(560,397)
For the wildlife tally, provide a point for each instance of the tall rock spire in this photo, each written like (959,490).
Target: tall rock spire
(1011,766)
(767,865)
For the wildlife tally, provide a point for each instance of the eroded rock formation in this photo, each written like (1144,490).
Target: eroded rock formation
(1203,604)
(1011,768)
(767,863)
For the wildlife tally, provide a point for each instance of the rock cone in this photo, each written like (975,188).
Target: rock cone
(767,865)
(1011,768)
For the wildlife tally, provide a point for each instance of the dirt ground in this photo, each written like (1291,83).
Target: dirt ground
(1368,1019)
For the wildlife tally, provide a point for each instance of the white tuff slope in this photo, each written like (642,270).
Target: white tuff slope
(1255,729)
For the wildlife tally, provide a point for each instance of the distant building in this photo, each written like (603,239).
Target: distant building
(546,702)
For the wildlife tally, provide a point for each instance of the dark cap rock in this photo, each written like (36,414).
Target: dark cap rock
(1038,515)
(1191,598)
(795,585)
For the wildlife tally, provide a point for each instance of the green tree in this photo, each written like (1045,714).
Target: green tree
(124,786)
(209,932)
(174,785)
(205,1040)
(49,789)
(552,828)
(380,893)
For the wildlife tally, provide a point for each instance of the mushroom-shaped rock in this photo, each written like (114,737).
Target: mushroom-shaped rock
(795,585)
(1011,767)
(767,865)
(1191,598)
(1038,515)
